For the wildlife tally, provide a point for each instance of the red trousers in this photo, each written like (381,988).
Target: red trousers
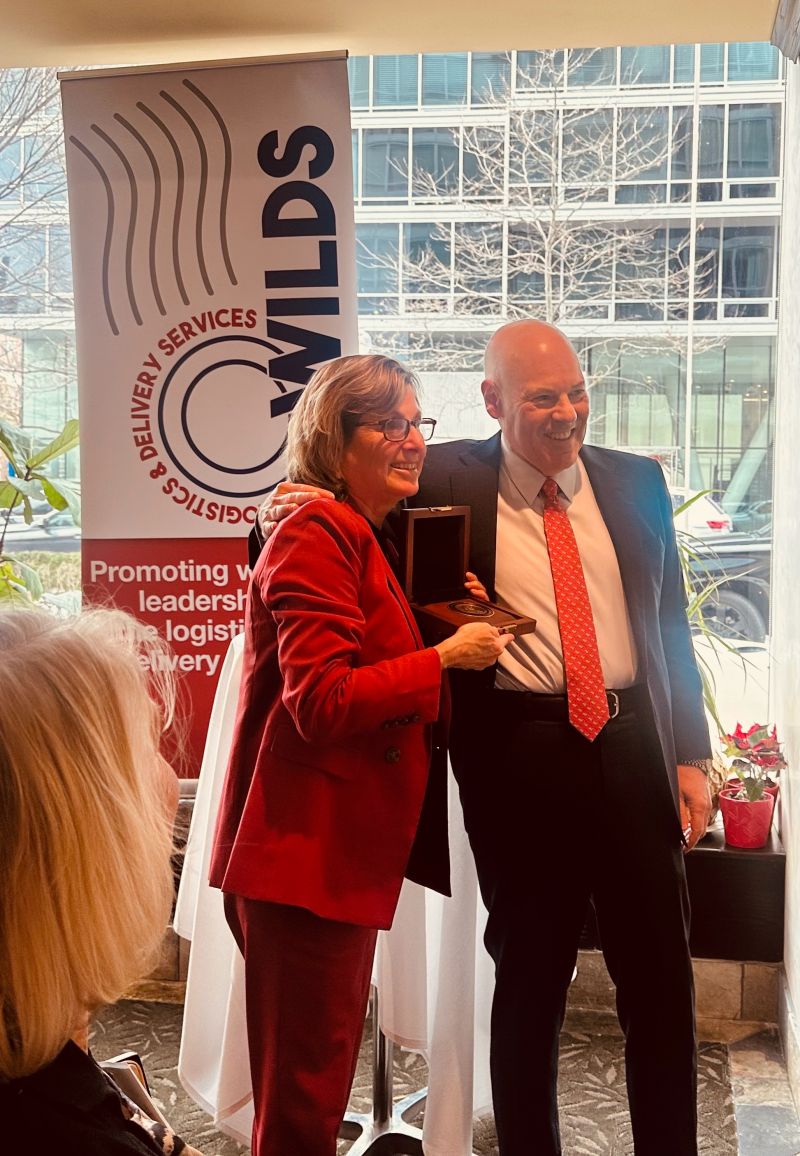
(307,984)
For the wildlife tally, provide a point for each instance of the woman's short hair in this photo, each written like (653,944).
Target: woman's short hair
(85,826)
(339,393)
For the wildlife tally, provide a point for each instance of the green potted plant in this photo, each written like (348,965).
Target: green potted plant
(27,482)
(701,593)
(748,805)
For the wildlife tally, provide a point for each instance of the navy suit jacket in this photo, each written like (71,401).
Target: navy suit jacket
(633,499)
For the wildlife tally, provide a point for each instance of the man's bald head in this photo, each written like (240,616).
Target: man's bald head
(534,387)
(532,343)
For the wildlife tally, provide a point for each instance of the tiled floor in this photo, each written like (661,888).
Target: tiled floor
(766,1118)
(746,1080)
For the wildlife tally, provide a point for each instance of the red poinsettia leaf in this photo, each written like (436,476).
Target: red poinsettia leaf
(758,734)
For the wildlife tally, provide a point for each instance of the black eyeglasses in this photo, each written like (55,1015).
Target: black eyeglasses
(397,429)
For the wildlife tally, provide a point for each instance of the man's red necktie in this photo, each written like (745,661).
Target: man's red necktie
(586,696)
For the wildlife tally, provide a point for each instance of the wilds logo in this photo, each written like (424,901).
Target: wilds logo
(210,402)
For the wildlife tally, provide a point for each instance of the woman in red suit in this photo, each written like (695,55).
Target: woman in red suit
(328,801)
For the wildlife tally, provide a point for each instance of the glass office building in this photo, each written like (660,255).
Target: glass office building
(653,178)
(632,195)
(38,381)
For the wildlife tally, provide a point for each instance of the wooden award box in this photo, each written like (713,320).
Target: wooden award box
(434,552)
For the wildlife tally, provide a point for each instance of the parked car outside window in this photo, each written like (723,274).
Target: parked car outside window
(740,564)
(704,518)
(754,516)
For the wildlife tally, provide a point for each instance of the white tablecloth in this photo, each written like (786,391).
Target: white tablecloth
(432,971)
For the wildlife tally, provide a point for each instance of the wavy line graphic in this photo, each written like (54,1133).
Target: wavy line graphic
(109,231)
(201,192)
(137,136)
(156,151)
(226,176)
(131,220)
(179,190)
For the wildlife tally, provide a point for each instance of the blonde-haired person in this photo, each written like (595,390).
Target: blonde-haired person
(86,810)
(328,800)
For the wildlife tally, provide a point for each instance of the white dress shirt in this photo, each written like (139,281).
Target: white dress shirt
(524,583)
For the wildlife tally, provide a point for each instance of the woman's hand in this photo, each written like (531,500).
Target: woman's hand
(475,588)
(473,646)
(284,499)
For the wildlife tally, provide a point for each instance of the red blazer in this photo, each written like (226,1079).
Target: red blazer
(331,749)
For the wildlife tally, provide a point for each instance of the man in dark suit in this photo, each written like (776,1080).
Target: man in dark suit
(570,791)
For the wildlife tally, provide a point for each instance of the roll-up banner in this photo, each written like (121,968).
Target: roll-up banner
(211,214)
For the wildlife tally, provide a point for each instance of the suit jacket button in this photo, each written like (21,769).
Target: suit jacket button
(392,755)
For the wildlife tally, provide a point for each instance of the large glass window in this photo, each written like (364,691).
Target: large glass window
(637,398)
(643,140)
(444,78)
(608,194)
(540,69)
(436,161)
(752,61)
(478,265)
(525,264)
(355,158)
(641,265)
(385,163)
(358,76)
(731,420)
(753,140)
(588,263)
(484,163)
(59,263)
(533,148)
(394,81)
(427,258)
(681,169)
(645,65)
(377,256)
(588,146)
(50,397)
(712,63)
(491,76)
(748,254)
(591,66)
(712,138)
(683,64)
(707,241)
(10,171)
(23,270)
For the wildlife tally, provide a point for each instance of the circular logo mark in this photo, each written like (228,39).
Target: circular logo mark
(223,419)
(473,609)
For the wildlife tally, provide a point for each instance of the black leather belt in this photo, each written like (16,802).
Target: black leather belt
(527,704)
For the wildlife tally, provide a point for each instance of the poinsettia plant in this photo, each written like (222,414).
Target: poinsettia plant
(757,757)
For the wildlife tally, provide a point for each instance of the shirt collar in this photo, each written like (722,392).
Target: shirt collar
(528,480)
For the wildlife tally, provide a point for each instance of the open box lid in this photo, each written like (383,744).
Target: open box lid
(434,552)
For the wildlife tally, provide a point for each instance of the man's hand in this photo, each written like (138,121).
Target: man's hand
(695,799)
(285,498)
(475,587)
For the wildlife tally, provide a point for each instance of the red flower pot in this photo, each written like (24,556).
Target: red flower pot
(746,824)
(735,784)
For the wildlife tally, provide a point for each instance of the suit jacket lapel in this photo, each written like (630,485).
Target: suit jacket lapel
(476,486)
(623,520)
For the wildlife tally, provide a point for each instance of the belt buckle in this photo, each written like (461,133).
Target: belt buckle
(613,703)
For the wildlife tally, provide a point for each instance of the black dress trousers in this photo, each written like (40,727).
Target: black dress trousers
(553,821)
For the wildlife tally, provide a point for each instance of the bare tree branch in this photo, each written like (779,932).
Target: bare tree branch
(553,217)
